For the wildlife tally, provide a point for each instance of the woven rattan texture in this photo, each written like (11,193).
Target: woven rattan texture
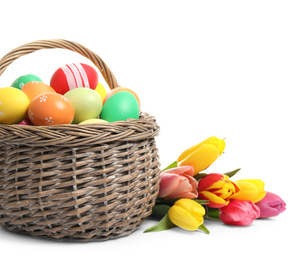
(82,183)
(88,189)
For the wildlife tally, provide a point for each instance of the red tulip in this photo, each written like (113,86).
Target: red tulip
(239,213)
(178,183)
(217,188)
(271,205)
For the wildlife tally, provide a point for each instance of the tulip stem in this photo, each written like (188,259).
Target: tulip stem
(212,213)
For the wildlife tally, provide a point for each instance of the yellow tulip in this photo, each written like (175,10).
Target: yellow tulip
(202,155)
(187,214)
(252,189)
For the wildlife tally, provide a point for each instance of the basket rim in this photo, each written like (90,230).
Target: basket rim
(73,135)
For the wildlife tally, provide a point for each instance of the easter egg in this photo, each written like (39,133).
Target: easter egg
(101,91)
(13,105)
(119,107)
(116,90)
(74,75)
(34,88)
(22,80)
(87,103)
(26,121)
(93,121)
(50,109)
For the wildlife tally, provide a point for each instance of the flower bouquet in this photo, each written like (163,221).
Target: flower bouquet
(187,195)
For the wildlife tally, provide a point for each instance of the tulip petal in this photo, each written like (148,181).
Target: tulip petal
(182,218)
(190,150)
(260,185)
(201,158)
(187,169)
(183,187)
(207,182)
(271,205)
(214,201)
(251,189)
(168,184)
(239,213)
(187,214)
(221,145)
(188,195)
(191,206)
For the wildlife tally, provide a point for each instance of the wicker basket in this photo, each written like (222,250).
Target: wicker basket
(70,182)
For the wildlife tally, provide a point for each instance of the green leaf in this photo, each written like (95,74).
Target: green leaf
(232,173)
(201,202)
(164,224)
(160,210)
(161,201)
(199,176)
(204,229)
(173,165)
(170,202)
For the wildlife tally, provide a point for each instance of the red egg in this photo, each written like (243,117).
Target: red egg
(74,75)
(50,109)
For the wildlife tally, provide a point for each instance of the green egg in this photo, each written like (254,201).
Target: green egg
(22,80)
(119,107)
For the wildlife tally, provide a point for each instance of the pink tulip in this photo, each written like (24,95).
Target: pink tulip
(178,183)
(239,213)
(271,205)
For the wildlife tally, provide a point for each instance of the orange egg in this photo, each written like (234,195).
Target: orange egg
(35,88)
(50,109)
(116,90)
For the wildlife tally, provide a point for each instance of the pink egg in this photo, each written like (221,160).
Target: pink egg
(74,75)
(26,121)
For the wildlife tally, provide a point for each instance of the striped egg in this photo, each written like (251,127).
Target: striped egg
(74,75)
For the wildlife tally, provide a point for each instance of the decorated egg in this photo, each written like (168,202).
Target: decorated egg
(101,91)
(120,106)
(93,121)
(13,105)
(87,103)
(34,88)
(116,90)
(50,109)
(26,121)
(74,75)
(22,80)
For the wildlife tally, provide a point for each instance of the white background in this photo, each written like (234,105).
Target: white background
(203,68)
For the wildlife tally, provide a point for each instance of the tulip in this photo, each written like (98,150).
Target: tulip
(202,155)
(252,190)
(271,205)
(239,213)
(217,188)
(187,214)
(178,182)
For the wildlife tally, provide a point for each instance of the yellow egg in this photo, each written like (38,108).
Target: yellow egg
(13,105)
(93,121)
(101,91)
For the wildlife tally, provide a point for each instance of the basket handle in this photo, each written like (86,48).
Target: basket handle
(62,44)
